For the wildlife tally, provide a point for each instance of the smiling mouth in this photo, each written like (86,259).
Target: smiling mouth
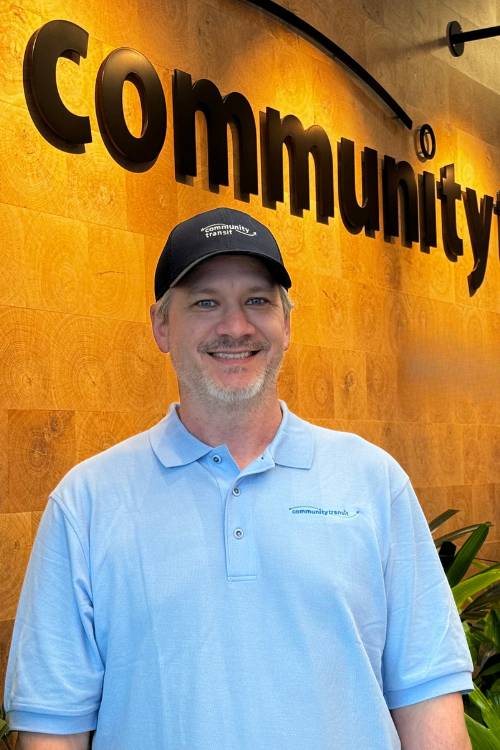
(233,355)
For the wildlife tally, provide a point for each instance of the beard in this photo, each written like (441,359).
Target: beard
(197,382)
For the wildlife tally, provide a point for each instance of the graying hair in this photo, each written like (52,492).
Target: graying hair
(164,301)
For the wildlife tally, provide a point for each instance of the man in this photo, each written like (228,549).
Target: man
(235,577)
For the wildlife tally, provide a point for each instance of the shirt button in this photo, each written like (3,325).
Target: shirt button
(216,459)
(238,533)
(236,491)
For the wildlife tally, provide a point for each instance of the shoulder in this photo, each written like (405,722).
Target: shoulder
(347,453)
(107,474)
(123,455)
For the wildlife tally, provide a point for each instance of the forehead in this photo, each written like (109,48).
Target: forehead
(232,268)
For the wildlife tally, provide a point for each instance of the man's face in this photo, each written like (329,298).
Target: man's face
(226,330)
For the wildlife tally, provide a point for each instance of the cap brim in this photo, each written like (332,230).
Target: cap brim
(278,271)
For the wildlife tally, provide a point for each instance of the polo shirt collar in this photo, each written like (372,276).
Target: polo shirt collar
(174,445)
(293,443)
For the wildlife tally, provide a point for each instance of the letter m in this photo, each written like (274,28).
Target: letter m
(300,143)
(219,112)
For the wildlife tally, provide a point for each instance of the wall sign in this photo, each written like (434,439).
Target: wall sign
(419,192)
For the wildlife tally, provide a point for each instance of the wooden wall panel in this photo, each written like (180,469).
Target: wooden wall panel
(41,449)
(288,381)
(315,382)
(20,184)
(349,369)
(5,639)
(15,533)
(4,447)
(17,23)
(96,431)
(386,340)
(25,338)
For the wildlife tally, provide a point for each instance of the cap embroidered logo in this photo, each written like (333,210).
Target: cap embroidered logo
(216,230)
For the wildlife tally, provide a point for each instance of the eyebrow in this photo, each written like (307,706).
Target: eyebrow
(194,289)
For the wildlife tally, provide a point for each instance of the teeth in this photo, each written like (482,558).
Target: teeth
(231,355)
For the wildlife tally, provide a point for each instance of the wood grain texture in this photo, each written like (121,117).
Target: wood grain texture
(108,365)
(485,505)
(18,24)
(36,516)
(315,376)
(37,177)
(349,384)
(25,338)
(4,471)
(481,453)
(435,499)
(15,533)
(97,431)
(116,270)
(288,381)
(431,454)
(5,638)
(96,187)
(41,450)
(382,386)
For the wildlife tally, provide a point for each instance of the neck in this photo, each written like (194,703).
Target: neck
(246,427)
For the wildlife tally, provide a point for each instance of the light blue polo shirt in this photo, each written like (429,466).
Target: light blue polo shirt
(174,602)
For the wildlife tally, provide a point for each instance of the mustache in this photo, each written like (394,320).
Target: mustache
(226,343)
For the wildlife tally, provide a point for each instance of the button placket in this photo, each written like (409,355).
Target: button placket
(240,545)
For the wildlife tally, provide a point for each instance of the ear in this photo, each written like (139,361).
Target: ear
(160,329)
(288,333)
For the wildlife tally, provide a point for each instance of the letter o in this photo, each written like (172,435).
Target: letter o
(426,141)
(125,64)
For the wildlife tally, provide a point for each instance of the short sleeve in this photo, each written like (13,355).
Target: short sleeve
(426,652)
(54,672)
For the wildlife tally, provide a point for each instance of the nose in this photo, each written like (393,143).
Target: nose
(234,322)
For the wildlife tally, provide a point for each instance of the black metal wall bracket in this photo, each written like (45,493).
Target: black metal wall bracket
(456,37)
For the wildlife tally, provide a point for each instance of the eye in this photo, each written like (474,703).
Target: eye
(205,303)
(257,301)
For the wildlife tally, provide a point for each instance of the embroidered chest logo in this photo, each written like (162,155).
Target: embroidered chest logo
(312,510)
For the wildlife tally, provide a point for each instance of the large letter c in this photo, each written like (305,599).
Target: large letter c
(54,40)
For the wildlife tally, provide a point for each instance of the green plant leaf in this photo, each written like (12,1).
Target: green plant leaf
(482,604)
(471,641)
(481,737)
(4,728)
(492,627)
(460,532)
(481,564)
(466,554)
(495,691)
(489,711)
(492,670)
(465,590)
(442,518)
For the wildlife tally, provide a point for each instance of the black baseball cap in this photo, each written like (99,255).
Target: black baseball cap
(216,232)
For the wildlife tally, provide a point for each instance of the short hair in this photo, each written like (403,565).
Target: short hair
(164,301)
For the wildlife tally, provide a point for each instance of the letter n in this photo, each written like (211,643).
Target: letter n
(234,110)
(401,176)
